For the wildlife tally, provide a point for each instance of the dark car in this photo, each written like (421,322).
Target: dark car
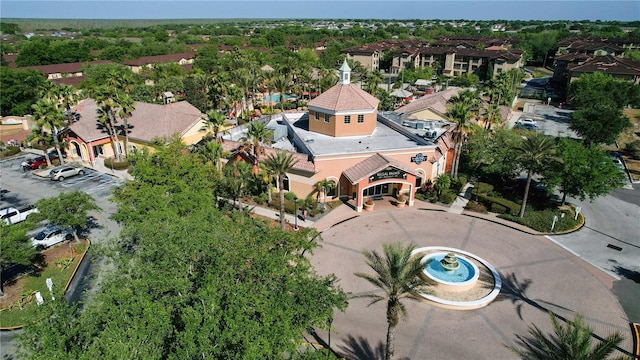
(41,162)
(526,126)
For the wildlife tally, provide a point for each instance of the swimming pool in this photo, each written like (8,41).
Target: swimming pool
(276,98)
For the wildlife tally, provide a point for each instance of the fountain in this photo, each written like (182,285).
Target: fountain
(451,272)
(460,280)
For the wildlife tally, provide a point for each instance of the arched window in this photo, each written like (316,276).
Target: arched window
(332,192)
(285,183)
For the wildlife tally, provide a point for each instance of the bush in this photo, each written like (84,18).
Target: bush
(633,149)
(542,220)
(447,197)
(116,165)
(497,208)
(289,195)
(476,207)
(482,188)
(420,196)
(10,151)
(488,201)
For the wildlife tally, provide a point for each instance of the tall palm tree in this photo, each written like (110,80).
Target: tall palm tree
(125,112)
(460,114)
(397,274)
(107,116)
(279,164)
(49,116)
(492,116)
(470,98)
(258,134)
(534,151)
(570,342)
(213,123)
(374,79)
(281,84)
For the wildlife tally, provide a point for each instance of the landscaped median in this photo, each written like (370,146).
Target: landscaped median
(18,305)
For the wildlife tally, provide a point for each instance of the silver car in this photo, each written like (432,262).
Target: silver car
(64,172)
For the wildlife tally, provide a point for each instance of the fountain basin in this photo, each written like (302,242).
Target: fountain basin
(462,278)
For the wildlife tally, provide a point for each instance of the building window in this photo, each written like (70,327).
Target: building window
(360,119)
(285,183)
(347,119)
(317,115)
(326,118)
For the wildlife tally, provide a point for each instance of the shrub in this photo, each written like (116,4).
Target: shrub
(542,220)
(488,201)
(420,196)
(447,197)
(482,188)
(116,165)
(633,149)
(497,208)
(476,207)
(290,195)
(10,151)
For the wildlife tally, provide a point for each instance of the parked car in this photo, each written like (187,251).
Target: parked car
(527,121)
(526,126)
(40,162)
(618,163)
(12,215)
(51,235)
(63,172)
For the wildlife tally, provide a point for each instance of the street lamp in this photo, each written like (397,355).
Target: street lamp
(295,201)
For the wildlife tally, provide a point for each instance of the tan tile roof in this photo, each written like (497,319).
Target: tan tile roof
(371,165)
(343,97)
(436,101)
(160,59)
(66,68)
(147,122)
(303,163)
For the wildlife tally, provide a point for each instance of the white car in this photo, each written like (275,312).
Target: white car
(527,121)
(51,235)
(63,172)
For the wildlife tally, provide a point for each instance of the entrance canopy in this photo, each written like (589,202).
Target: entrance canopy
(378,167)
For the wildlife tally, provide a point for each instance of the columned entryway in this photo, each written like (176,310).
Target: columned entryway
(379,176)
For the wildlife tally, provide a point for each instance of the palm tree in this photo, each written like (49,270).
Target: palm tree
(397,274)
(460,114)
(374,79)
(492,116)
(107,117)
(213,151)
(324,186)
(442,182)
(279,164)
(126,108)
(470,98)
(213,123)
(534,151)
(258,133)
(48,115)
(570,342)
(281,84)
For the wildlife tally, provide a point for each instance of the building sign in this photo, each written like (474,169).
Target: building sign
(418,159)
(388,173)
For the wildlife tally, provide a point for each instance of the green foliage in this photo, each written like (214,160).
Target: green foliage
(19,90)
(509,206)
(633,149)
(15,246)
(569,340)
(67,209)
(447,197)
(482,188)
(116,165)
(190,281)
(582,172)
(10,151)
(541,220)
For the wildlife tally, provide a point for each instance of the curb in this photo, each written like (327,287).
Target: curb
(64,291)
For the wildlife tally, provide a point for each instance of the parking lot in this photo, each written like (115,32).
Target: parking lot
(21,188)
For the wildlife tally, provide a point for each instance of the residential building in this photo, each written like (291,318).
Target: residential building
(87,141)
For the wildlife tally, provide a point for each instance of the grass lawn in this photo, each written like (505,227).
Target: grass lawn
(19,302)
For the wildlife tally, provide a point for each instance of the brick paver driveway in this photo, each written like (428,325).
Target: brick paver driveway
(538,277)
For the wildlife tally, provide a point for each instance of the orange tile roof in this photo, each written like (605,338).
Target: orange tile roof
(344,97)
(371,165)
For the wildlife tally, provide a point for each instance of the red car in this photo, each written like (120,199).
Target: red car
(41,161)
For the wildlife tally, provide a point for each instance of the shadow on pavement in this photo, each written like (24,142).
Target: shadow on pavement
(360,348)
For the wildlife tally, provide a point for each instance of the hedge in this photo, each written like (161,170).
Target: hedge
(542,220)
(116,165)
(10,151)
(510,207)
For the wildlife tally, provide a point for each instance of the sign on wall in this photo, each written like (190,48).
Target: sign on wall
(388,173)
(418,159)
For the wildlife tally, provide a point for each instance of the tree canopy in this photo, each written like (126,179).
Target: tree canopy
(188,280)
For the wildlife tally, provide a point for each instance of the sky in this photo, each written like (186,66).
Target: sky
(321,9)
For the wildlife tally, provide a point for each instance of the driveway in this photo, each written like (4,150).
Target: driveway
(538,275)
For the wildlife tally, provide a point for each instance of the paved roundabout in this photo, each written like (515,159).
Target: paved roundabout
(537,275)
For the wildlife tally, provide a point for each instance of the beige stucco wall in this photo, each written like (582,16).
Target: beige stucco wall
(428,114)
(337,127)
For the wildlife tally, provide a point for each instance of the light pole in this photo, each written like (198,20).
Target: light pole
(295,201)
